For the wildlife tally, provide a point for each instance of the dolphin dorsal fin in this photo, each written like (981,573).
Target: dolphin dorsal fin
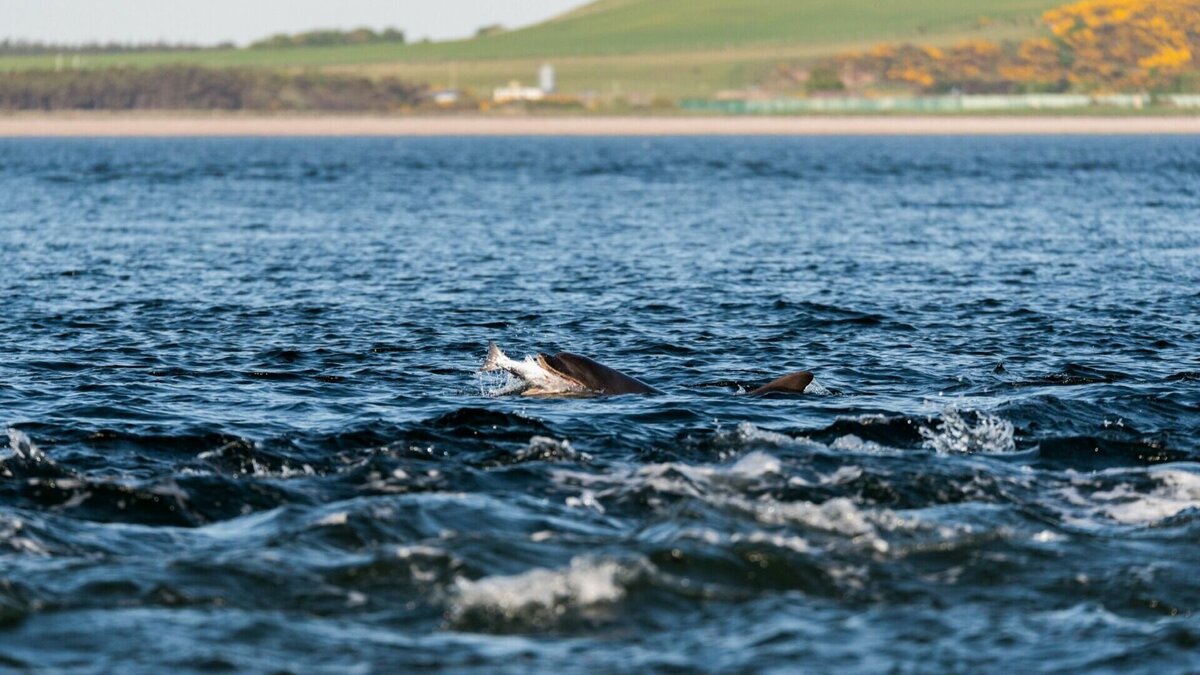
(494,357)
(792,383)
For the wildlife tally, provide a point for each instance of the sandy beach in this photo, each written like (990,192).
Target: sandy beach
(131,125)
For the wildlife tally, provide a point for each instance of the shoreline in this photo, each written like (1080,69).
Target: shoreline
(113,125)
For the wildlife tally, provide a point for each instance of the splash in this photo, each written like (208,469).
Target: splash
(23,448)
(497,384)
(815,388)
(988,434)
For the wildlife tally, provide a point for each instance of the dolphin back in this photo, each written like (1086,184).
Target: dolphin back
(596,376)
(792,383)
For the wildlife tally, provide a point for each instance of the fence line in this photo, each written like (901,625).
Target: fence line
(974,103)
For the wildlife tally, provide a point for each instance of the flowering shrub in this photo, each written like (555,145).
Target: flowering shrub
(1093,45)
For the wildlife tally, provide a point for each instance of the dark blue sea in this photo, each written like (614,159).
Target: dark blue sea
(245,432)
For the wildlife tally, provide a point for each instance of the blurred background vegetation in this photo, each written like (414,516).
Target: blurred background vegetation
(646,53)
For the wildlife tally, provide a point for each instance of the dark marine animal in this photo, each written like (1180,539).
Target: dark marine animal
(567,374)
(792,383)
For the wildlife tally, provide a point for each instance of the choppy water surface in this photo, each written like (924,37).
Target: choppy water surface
(246,432)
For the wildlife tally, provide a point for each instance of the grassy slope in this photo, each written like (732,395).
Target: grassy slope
(669,47)
(632,26)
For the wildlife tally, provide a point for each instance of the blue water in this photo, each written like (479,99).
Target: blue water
(247,433)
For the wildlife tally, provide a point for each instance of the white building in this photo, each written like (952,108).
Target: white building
(515,92)
(546,78)
(446,97)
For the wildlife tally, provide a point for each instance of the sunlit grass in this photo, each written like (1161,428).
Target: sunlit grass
(649,47)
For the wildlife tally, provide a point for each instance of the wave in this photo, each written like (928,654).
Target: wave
(15,538)
(894,431)
(546,449)
(243,458)
(544,600)
(969,432)
(1094,452)
(1153,498)
(184,499)
(1073,374)
(14,605)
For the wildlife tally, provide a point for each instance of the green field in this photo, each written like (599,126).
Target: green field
(646,47)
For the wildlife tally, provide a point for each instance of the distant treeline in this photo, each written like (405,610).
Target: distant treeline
(198,88)
(330,38)
(28,48)
(314,38)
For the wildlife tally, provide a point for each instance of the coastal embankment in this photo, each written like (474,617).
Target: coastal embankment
(134,125)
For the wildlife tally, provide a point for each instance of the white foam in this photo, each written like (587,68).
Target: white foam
(855,444)
(1047,536)
(839,515)
(540,596)
(586,500)
(333,519)
(790,542)
(420,551)
(1178,491)
(817,389)
(844,474)
(839,521)
(674,478)
(551,449)
(989,434)
(1128,501)
(755,465)
(747,433)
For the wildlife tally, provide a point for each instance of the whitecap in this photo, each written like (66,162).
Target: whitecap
(748,434)
(542,597)
(755,465)
(1177,491)
(838,515)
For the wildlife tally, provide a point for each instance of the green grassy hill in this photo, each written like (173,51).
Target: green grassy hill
(636,26)
(654,47)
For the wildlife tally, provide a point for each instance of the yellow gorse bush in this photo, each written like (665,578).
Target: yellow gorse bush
(1094,44)
(1167,58)
(1127,43)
